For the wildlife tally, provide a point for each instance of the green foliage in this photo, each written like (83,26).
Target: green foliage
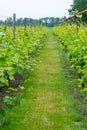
(9,101)
(75,45)
(15,55)
(80,5)
(2,112)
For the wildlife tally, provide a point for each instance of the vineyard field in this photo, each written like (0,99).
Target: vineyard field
(52,65)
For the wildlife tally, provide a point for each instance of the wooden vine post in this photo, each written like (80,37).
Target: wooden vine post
(30,23)
(5,26)
(25,24)
(14,26)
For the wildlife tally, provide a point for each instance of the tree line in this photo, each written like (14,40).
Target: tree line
(47,21)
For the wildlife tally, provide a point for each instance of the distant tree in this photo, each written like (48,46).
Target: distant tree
(47,21)
(9,21)
(1,22)
(20,21)
(79,5)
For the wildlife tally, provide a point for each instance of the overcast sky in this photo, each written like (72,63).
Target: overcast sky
(34,8)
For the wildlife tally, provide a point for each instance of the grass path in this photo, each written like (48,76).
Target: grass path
(46,104)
